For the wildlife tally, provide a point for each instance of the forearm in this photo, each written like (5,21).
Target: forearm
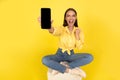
(55,31)
(79,40)
(77,37)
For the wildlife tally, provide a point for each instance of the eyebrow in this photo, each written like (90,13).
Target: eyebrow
(73,14)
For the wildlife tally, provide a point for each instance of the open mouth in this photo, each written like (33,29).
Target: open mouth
(71,21)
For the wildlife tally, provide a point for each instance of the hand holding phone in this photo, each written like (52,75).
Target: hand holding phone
(45,18)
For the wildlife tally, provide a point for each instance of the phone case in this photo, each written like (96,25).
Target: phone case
(45,18)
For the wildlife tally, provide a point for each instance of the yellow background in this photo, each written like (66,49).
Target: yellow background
(23,43)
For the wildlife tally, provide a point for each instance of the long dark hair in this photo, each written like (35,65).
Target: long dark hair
(65,22)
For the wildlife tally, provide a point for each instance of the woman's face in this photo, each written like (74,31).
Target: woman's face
(70,18)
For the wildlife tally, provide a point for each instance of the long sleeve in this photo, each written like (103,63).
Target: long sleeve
(57,31)
(79,43)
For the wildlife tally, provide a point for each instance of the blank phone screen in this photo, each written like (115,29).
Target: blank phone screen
(45,18)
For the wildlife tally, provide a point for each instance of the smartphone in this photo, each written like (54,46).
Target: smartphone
(45,18)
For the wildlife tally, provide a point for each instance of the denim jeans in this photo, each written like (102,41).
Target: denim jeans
(74,60)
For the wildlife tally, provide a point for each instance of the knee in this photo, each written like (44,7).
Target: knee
(45,60)
(90,57)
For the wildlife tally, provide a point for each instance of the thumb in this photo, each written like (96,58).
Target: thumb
(51,21)
(39,19)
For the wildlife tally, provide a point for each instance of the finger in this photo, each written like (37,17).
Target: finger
(39,19)
(78,30)
(51,21)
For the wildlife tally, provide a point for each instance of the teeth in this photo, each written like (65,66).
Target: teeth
(71,21)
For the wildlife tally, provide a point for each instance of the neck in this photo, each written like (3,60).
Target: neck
(70,28)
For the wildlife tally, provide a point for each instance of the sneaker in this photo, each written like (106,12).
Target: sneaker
(65,64)
(82,73)
(54,72)
(77,71)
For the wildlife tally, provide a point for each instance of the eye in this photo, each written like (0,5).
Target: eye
(67,15)
(74,15)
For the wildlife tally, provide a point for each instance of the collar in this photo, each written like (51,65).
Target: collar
(67,30)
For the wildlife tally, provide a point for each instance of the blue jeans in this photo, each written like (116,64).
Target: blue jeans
(74,60)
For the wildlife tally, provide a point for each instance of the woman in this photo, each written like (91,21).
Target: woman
(70,37)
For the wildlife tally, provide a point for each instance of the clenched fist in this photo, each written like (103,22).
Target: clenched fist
(77,34)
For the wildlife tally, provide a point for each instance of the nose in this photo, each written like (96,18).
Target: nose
(71,17)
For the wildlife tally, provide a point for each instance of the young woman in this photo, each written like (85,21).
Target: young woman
(70,37)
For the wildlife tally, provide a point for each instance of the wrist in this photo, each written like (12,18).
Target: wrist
(77,37)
